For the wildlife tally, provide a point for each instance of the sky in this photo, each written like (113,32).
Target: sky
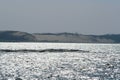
(54,16)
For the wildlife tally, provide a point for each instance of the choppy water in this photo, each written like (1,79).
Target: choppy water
(59,61)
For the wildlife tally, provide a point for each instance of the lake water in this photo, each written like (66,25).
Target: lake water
(59,61)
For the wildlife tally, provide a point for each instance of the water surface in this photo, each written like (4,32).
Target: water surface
(59,61)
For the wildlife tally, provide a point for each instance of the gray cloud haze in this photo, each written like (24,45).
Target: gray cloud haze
(82,16)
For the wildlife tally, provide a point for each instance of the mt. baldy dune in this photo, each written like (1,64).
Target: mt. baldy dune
(16,36)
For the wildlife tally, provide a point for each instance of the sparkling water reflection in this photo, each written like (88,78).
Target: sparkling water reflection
(102,62)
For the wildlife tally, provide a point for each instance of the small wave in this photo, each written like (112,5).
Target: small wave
(45,50)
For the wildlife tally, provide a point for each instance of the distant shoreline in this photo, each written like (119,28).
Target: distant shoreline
(18,36)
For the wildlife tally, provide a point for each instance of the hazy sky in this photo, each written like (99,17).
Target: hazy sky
(82,16)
